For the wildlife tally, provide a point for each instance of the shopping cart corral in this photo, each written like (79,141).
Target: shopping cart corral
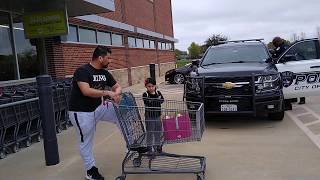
(180,122)
(15,125)
(20,123)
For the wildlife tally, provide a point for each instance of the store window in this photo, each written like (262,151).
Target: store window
(7,59)
(87,35)
(73,34)
(168,46)
(146,44)
(104,38)
(159,45)
(26,53)
(132,42)
(139,43)
(152,45)
(163,46)
(117,40)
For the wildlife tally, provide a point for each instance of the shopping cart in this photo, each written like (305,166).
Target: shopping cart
(181,122)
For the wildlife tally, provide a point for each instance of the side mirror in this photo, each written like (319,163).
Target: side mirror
(196,62)
(287,58)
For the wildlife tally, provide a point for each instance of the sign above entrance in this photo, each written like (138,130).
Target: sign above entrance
(45,24)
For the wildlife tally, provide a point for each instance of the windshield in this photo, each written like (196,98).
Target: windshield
(230,54)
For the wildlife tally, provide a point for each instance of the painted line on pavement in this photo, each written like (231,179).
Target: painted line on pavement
(302,114)
(311,111)
(313,137)
(312,123)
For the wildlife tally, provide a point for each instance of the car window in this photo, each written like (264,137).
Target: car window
(228,54)
(303,51)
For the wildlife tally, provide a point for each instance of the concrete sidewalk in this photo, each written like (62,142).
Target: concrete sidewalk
(109,151)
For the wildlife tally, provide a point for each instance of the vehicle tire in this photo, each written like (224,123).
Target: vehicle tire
(136,162)
(121,178)
(278,116)
(178,78)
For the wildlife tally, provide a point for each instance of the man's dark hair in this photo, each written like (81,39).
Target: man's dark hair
(277,41)
(101,51)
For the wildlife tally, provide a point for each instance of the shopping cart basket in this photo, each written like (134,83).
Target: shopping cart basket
(180,122)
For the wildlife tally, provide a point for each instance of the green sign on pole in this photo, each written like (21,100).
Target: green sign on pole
(45,24)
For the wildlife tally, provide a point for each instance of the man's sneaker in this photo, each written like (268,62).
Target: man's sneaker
(93,174)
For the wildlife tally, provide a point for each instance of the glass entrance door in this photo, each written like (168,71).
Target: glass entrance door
(7,58)
(24,58)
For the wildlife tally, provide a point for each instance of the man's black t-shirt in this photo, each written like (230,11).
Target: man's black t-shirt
(97,79)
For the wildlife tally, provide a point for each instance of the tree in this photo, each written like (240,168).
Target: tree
(194,50)
(214,40)
(178,54)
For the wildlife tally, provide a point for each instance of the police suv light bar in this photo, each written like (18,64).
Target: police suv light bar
(244,40)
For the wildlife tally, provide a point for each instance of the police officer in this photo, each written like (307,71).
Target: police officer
(281,47)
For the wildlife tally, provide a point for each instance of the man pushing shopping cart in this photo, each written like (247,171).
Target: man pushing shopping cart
(175,122)
(180,122)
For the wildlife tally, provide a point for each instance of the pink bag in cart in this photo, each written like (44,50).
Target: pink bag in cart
(176,128)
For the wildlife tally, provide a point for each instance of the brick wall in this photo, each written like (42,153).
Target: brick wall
(140,13)
(163,17)
(77,54)
(154,16)
(118,14)
(166,56)
(55,59)
(140,57)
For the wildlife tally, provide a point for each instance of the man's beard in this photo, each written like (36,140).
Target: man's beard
(105,66)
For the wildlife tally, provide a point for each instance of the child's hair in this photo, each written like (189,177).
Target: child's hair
(150,80)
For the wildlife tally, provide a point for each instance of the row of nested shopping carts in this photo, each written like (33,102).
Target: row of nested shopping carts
(146,127)
(20,123)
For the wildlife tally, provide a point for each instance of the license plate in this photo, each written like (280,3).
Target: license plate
(229,107)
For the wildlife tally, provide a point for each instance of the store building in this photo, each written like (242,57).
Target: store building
(139,32)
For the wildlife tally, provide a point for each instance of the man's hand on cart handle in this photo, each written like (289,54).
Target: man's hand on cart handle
(113,95)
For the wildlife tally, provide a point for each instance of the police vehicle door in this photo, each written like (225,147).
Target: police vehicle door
(300,69)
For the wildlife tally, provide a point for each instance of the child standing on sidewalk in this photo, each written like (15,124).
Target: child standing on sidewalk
(152,100)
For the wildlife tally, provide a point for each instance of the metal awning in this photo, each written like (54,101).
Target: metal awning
(74,7)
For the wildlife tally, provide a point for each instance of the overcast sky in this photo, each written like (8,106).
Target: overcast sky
(196,20)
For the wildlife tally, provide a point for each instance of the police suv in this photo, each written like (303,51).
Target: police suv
(240,77)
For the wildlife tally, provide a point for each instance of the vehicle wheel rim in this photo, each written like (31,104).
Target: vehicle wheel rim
(178,78)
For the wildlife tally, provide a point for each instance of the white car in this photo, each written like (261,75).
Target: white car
(300,69)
